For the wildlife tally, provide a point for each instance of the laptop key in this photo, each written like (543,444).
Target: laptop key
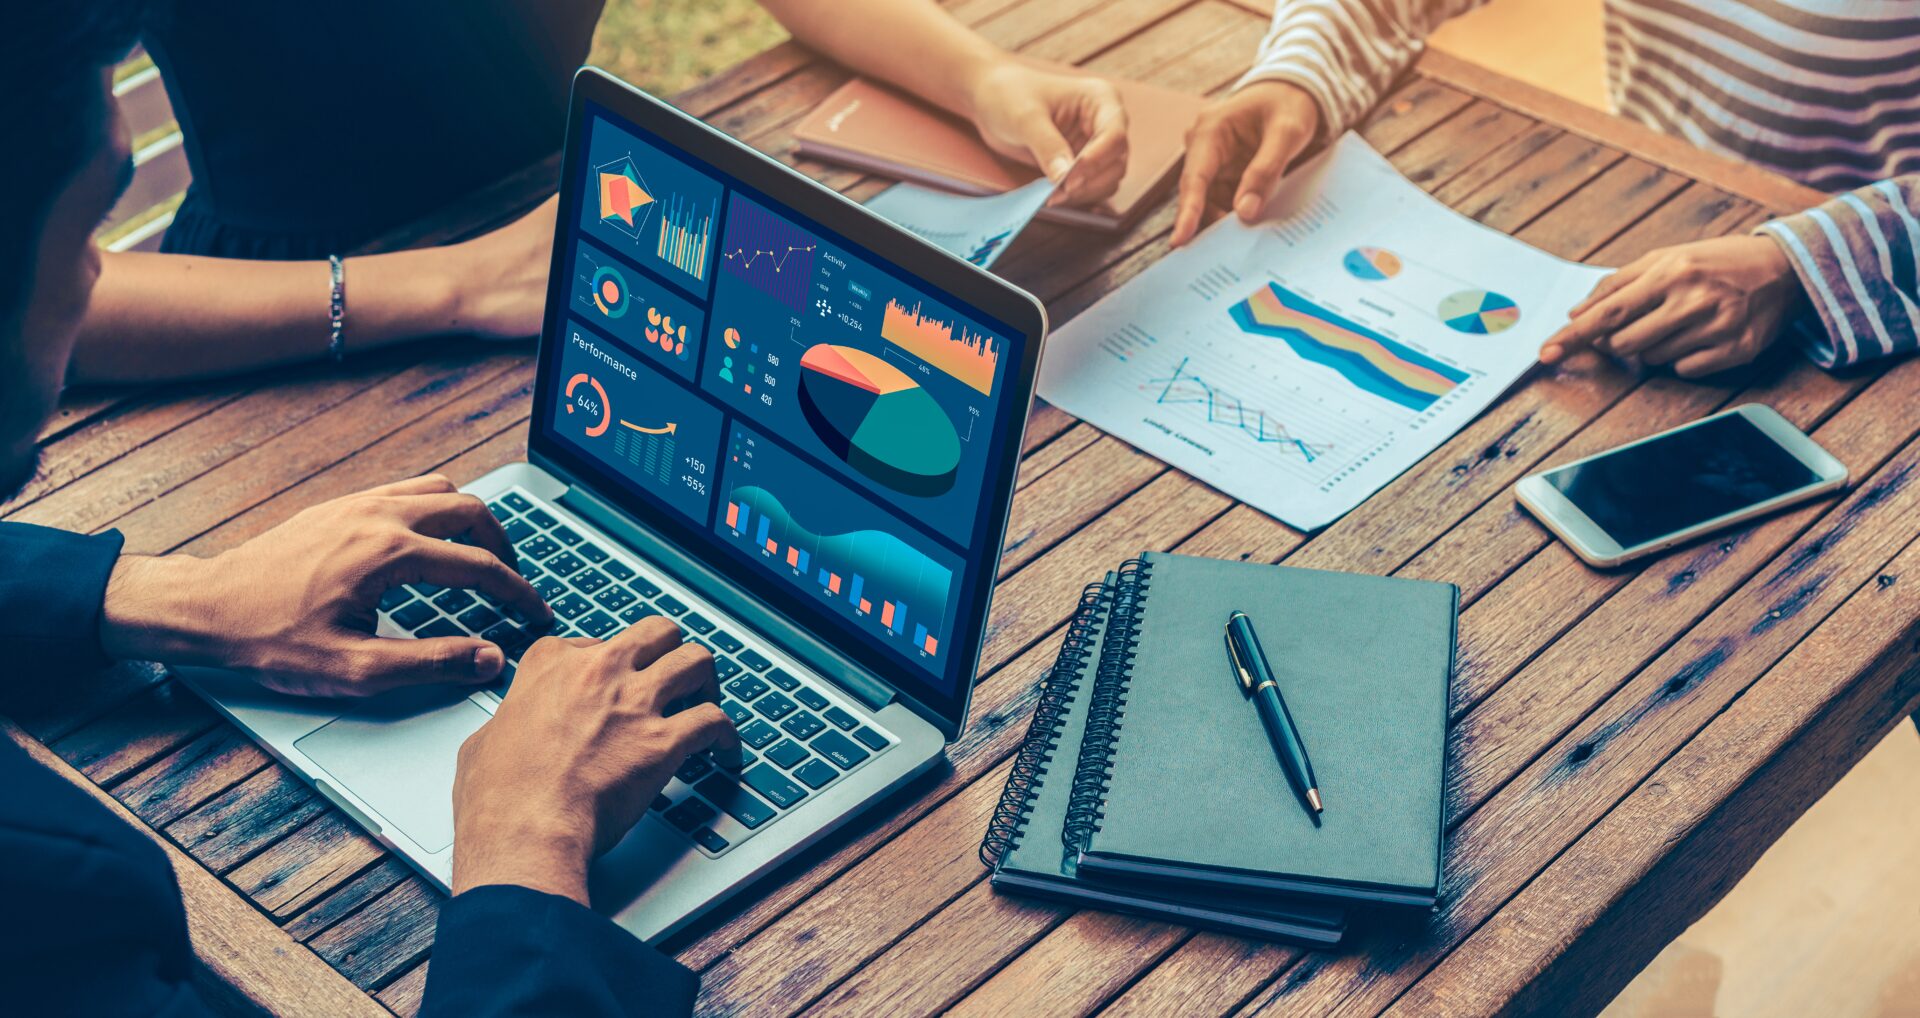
(539,548)
(517,501)
(572,606)
(615,598)
(670,605)
(757,661)
(542,519)
(774,786)
(550,588)
(426,590)
(736,801)
(779,677)
(638,612)
(694,768)
(803,726)
(725,668)
(812,698)
(815,774)
(735,760)
(746,687)
(697,622)
(727,641)
(837,748)
(690,814)
(787,753)
(598,624)
(529,569)
(758,733)
(737,711)
(870,738)
(564,564)
(841,719)
(661,802)
(618,570)
(592,552)
(439,628)
(480,618)
(395,598)
(453,600)
(775,706)
(567,535)
(500,510)
(519,530)
(710,841)
(642,587)
(414,615)
(590,581)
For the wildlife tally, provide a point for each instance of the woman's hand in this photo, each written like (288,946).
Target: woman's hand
(1071,126)
(499,279)
(1702,307)
(1237,149)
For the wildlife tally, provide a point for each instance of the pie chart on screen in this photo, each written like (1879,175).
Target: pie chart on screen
(878,421)
(1479,312)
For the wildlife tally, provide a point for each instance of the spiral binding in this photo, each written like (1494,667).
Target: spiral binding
(1106,706)
(1043,732)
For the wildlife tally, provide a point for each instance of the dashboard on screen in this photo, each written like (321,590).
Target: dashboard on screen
(795,413)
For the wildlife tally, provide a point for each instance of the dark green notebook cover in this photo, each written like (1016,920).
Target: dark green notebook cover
(1177,780)
(1023,844)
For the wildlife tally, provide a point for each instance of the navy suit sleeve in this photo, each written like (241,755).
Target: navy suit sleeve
(52,584)
(503,950)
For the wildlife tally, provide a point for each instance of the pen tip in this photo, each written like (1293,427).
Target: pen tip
(1313,799)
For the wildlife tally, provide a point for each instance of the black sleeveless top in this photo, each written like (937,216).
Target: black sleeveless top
(312,128)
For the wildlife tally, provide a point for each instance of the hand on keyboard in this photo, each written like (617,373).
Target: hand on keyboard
(294,607)
(577,751)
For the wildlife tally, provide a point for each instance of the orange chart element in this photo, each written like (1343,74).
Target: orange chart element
(971,358)
(621,196)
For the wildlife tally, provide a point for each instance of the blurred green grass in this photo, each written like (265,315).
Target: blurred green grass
(665,46)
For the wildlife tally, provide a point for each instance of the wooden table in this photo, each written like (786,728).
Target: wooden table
(1624,744)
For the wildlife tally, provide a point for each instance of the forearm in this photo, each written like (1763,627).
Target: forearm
(157,317)
(1346,53)
(921,49)
(1855,256)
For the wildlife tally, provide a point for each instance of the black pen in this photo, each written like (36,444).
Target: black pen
(1256,680)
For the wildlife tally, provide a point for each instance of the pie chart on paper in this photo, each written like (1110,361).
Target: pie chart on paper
(878,421)
(1372,263)
(1480,312)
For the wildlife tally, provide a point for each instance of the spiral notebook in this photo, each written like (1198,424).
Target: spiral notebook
(1176,781)
(1024,844)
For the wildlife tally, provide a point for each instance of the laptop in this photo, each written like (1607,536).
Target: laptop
(760,411)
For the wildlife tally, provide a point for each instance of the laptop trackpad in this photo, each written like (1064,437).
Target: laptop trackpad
(401,767)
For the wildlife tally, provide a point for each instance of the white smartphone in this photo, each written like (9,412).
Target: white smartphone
(1670,488)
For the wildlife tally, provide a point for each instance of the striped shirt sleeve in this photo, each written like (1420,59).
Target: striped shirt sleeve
(1858,256)
(1346,53)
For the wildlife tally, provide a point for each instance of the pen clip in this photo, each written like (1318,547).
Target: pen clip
(1242,676)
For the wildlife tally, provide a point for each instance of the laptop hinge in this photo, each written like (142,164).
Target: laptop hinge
(816,653)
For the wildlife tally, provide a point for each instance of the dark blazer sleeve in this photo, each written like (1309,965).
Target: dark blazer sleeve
(503,950)
(52,584)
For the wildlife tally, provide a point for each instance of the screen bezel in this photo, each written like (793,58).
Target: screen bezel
(1598,546)
(882,242)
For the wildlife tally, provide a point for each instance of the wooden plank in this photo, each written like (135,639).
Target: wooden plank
(250,967)
(1686,833)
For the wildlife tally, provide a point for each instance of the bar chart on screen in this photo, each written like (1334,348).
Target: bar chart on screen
(803,528)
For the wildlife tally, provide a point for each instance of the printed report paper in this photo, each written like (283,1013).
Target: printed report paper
(1301,364)
(977,229)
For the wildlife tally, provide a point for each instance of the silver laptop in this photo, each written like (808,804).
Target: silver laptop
(768,415)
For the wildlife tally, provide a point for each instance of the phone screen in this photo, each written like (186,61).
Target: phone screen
(1681,480)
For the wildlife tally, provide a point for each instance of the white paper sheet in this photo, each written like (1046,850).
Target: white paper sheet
(977,229)
(1301,364)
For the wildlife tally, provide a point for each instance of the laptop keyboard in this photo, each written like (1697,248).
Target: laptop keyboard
(797,735)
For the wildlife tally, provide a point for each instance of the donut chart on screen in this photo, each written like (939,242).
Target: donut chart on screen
(1480,312)
(878,421)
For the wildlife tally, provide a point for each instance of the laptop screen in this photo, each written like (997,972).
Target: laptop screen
(797,414)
